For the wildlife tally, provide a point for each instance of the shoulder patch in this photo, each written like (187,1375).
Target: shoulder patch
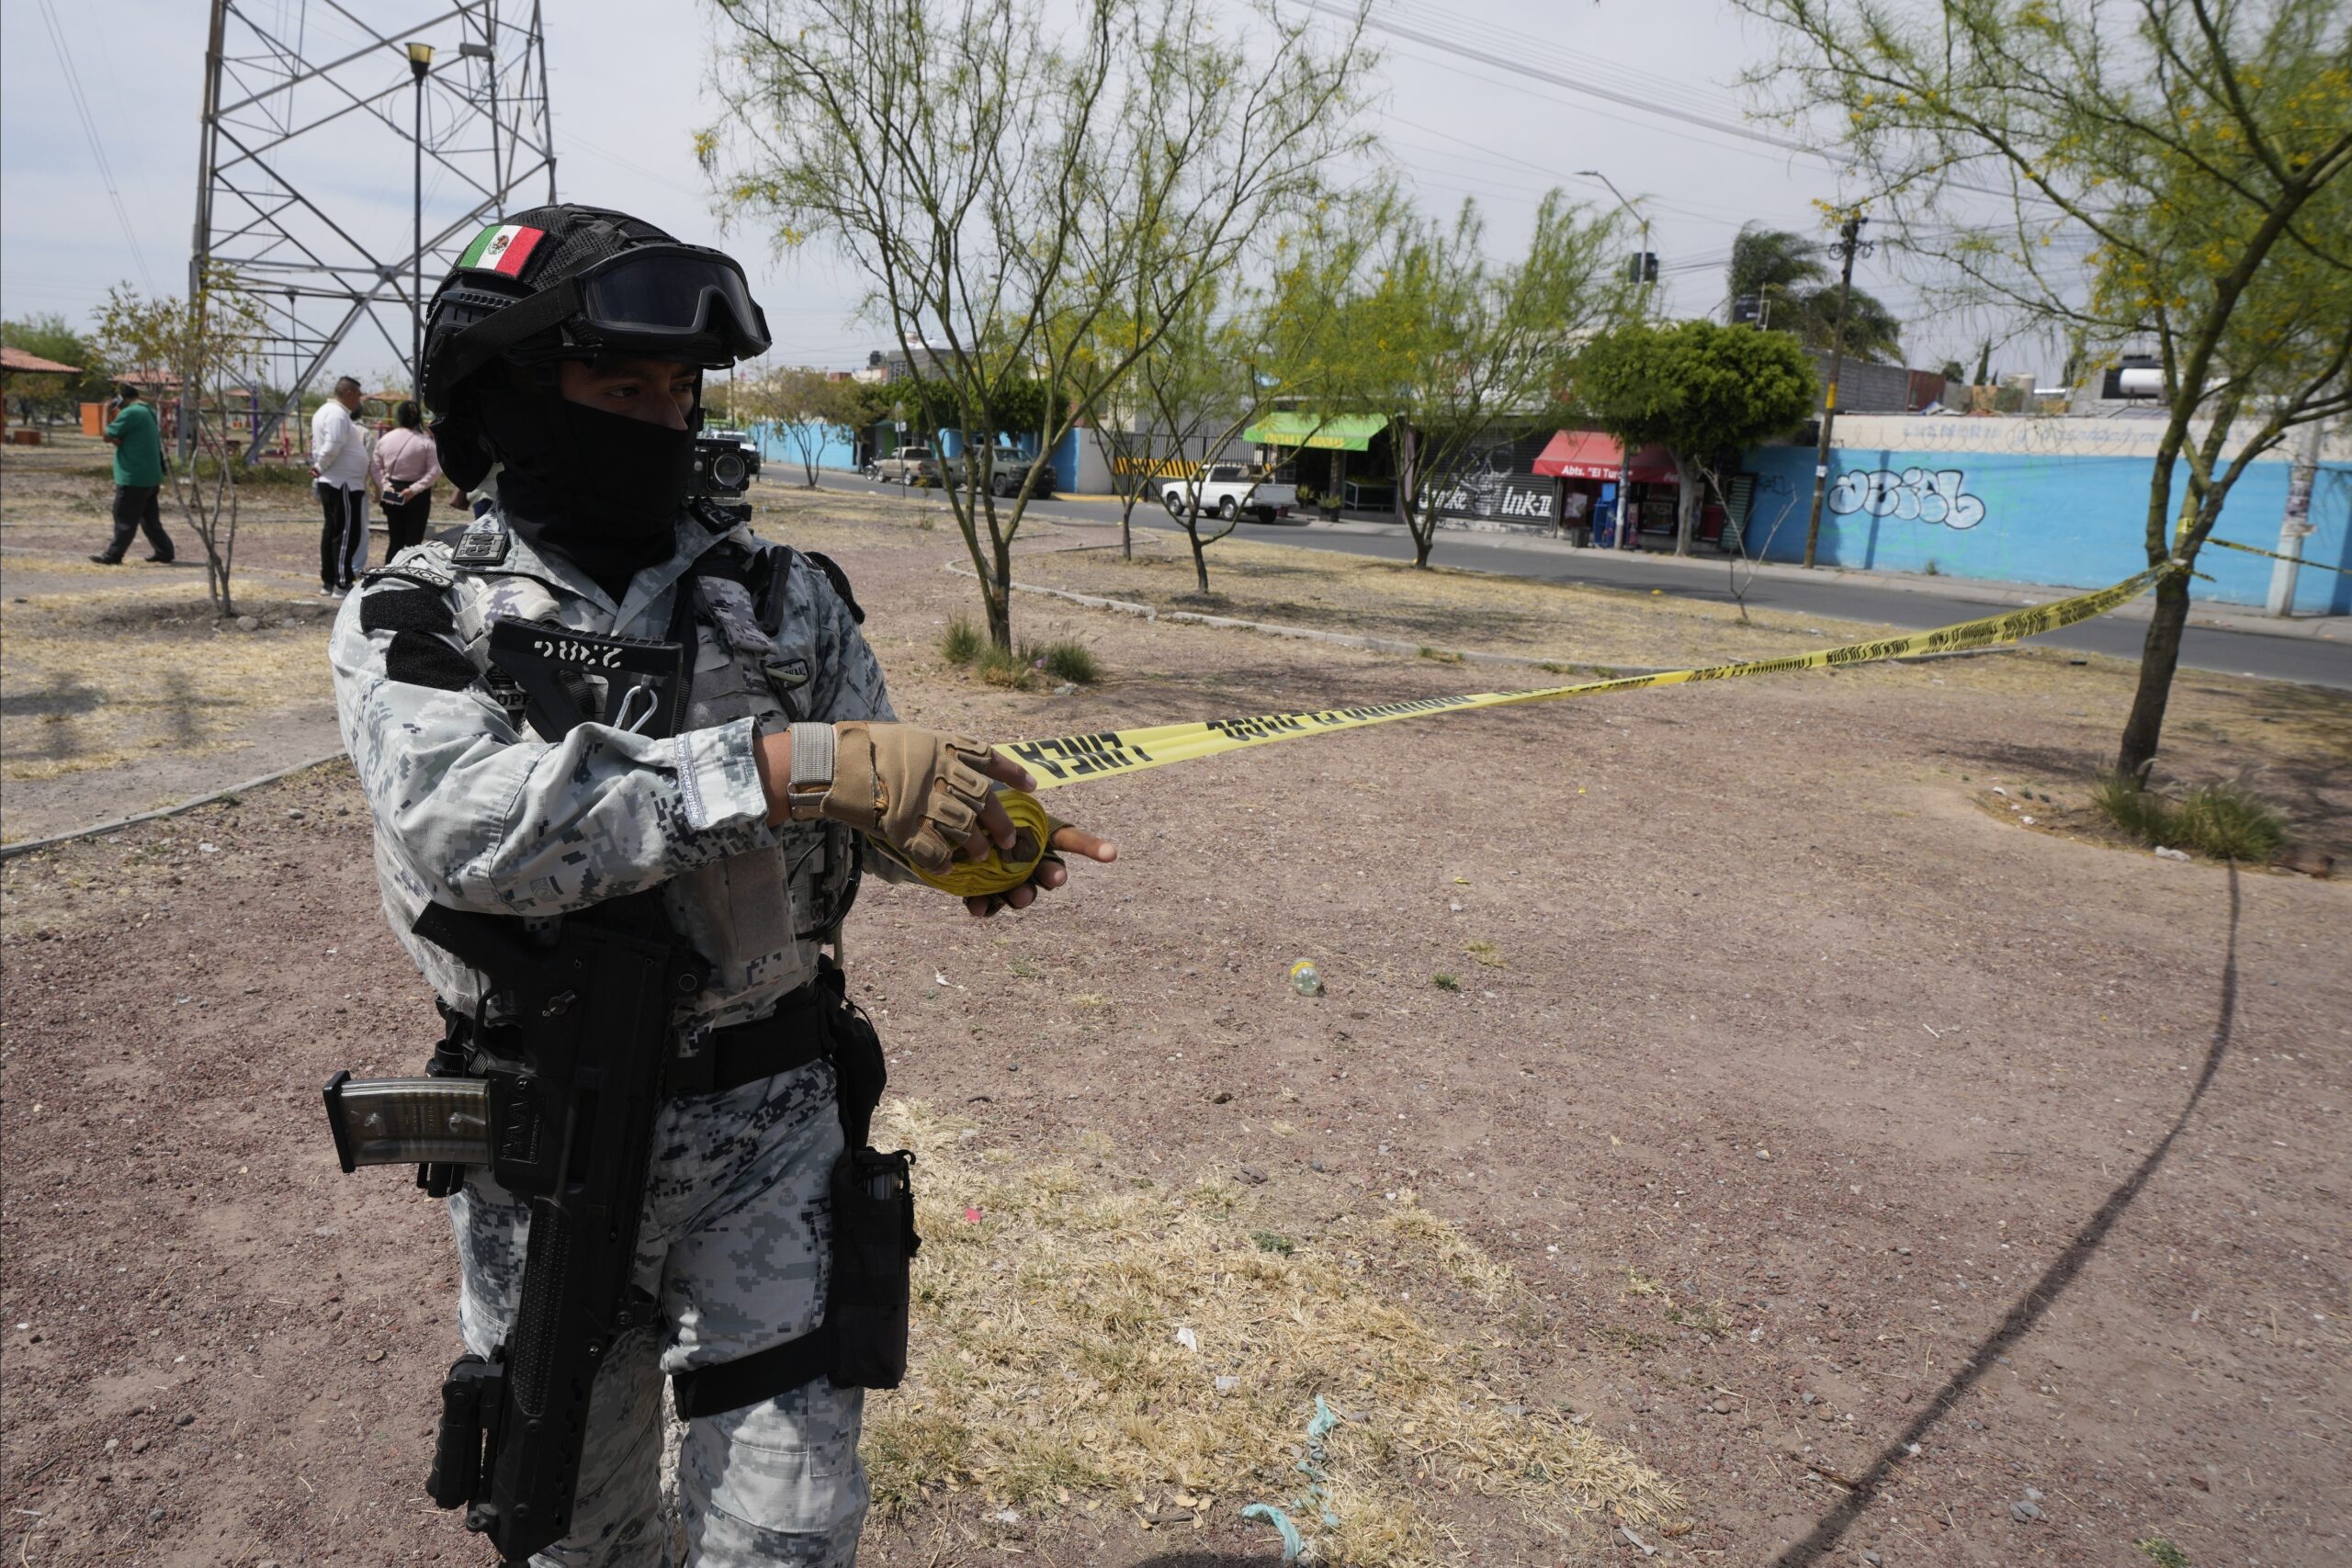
(840,579)
(406,610)
(410,569)
(484,542)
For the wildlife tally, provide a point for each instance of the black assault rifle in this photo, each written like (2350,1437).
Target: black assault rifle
(570,1132)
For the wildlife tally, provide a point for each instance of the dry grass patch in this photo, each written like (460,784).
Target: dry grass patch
(1097,1338)
(1441,609)
(98,680)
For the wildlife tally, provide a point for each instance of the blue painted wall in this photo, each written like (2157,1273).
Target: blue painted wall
(838,447)
(2071,521)
(951,442)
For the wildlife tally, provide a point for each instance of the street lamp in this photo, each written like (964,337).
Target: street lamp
(1643,275)
(1642,272)
(420,61)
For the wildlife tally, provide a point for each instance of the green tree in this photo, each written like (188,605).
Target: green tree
(998,179)
(871,403)
(1191,393)
(210,344)
(808,408)
(1452,345)
(1796,292)
(1230,354)
(1014,405)
(2166,173)
(1694,388)
(53,397)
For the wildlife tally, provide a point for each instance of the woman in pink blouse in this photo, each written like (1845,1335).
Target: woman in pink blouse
(406,465)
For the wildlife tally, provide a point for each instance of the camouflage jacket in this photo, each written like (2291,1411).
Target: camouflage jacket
(475,810)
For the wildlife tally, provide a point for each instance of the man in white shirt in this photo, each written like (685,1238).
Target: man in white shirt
(339,465)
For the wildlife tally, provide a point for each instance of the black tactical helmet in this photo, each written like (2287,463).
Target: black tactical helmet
(577,282)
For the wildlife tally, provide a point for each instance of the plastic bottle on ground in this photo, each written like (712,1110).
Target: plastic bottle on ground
(1305,978)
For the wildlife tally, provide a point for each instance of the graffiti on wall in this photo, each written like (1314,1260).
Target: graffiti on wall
(1491,481)
(1908,495)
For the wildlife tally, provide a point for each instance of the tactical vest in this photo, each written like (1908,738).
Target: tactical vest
(757,917)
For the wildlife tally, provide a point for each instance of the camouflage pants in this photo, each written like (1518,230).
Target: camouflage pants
(735,1243)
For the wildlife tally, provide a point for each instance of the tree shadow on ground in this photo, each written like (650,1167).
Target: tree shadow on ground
(2029,1308)
(59,701)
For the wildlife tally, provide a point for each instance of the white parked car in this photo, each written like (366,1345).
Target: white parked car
(1229,490)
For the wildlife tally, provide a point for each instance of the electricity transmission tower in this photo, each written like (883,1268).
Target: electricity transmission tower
(304,185)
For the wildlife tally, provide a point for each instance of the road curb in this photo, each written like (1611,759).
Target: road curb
(26,846)
(1387,645)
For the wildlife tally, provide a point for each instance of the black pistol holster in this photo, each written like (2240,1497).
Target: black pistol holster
(862,1340)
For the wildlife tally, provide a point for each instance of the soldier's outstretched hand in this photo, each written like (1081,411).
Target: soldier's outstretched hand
(1051,871)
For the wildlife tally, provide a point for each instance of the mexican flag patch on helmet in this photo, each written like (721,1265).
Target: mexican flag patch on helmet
(503,248)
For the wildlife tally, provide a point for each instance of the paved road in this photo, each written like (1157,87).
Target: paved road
(2309,660)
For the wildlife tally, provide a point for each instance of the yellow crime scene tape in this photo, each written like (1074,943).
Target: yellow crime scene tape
(1111,754)
(2273,555)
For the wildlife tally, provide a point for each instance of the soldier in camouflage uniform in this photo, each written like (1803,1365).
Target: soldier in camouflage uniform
(741,817)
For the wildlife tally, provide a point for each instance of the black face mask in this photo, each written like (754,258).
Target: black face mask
(601,488)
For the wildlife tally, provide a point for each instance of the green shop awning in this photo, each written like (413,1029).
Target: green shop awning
(1338,432)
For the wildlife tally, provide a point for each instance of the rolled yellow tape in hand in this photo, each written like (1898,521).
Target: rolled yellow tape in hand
(1003,870)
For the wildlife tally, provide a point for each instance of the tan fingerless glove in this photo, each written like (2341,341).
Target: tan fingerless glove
(916,789)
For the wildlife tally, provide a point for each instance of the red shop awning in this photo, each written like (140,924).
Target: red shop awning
(1588,455)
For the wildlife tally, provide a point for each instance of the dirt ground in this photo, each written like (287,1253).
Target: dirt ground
(1884,1174)
(182,701)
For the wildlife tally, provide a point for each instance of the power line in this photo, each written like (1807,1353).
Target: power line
(1584,86)
(1660,90)
(97,147)
(1593,89)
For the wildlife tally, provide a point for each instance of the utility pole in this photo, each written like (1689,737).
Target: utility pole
(1645,273)
(1850,245)
(420,61)
(2295,525)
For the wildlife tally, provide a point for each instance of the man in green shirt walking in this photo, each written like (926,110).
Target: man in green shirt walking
(138,475)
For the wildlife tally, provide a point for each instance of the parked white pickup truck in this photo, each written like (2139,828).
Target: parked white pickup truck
(1229,489)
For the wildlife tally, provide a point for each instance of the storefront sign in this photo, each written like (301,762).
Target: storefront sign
(1500,498)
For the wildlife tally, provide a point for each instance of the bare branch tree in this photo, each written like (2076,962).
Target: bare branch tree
(1000,188)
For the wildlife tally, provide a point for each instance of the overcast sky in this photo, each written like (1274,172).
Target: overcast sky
(629,92)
